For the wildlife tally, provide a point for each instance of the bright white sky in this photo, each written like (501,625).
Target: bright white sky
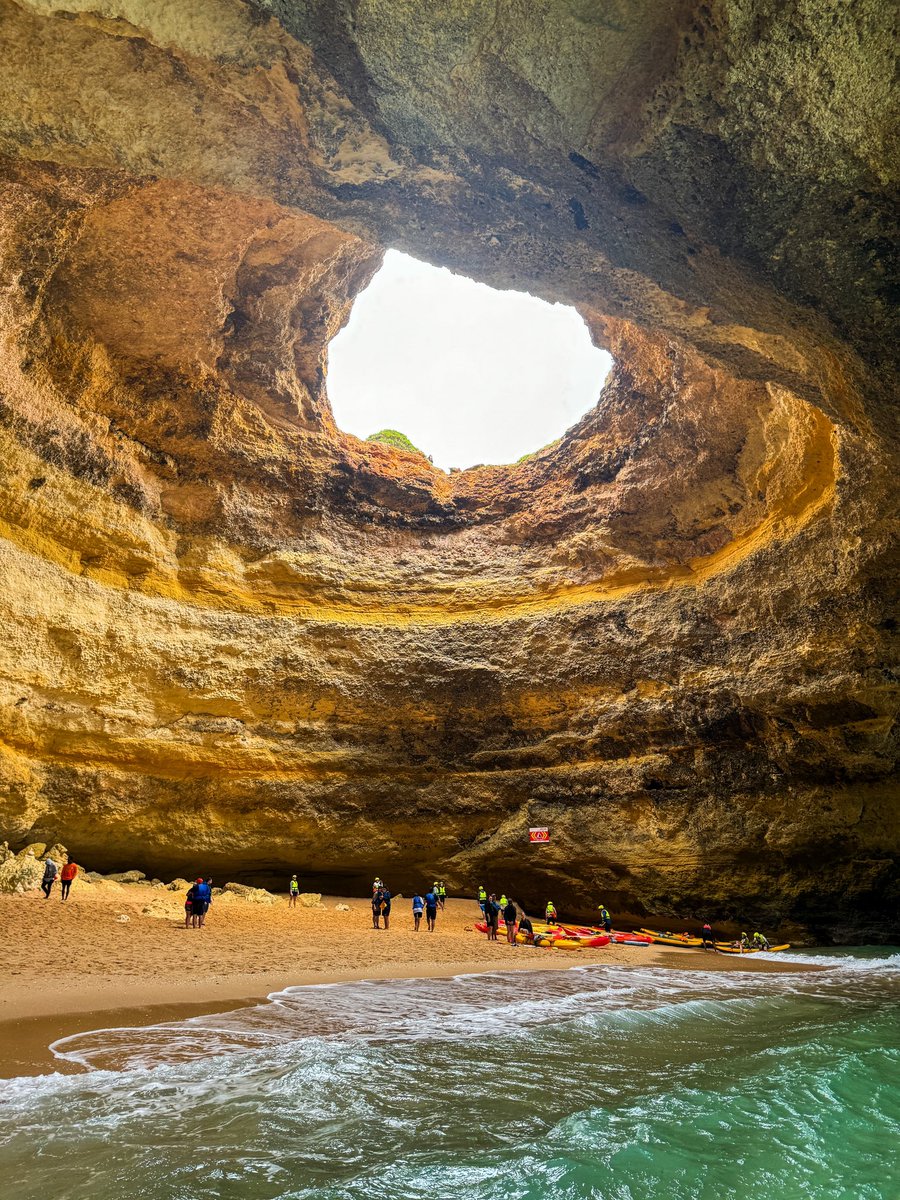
(469,374)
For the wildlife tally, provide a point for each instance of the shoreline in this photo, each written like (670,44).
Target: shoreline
(99,971)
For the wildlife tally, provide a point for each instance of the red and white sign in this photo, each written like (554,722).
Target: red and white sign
(539,834)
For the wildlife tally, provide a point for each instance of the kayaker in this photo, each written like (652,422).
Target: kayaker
(509,916)
(293,892)
(418,905)
(503,902)
(431,907)
(550,912)
(709,938)
(745,941)
(760,941)
(377,900)
(526,927)
(442,895)
(605,919)
(482,898)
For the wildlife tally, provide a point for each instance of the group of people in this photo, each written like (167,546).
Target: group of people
(755,941)
(435,898)
(197,902)
(66,874)
(492,910)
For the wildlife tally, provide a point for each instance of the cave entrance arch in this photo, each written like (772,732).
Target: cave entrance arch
(468,374)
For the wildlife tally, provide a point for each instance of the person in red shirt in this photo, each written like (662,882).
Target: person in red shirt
(66,875)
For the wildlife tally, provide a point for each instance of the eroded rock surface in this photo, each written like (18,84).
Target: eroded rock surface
(241,638)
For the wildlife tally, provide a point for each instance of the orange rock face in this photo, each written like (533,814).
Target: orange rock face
(239,637)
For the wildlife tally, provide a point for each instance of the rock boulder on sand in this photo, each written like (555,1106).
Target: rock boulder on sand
(251,894)
(311,900)
(178,885)
(21,872)
(24,871)
(127,877)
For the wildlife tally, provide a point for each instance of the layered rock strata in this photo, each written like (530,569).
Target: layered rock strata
(239,636)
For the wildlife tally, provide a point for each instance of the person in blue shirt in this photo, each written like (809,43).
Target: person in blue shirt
(200,903)
(431,907)
(418,905)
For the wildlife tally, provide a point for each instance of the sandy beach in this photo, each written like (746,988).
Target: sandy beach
(72,966)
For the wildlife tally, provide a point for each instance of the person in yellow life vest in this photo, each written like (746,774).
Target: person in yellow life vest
(551,912)
(503,901)
(605,918)
(441,894)
(293,892)
(482,898)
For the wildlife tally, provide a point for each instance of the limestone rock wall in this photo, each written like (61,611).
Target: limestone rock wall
(236,635)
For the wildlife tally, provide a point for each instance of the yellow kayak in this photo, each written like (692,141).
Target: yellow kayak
(727,948)
(671,939)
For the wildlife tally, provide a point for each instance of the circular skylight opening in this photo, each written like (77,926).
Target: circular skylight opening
(466,373)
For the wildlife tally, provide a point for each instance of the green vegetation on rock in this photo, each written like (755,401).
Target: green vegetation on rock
(535,453)
(393,437)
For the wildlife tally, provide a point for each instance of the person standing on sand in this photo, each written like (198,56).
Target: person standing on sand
(386,906)
(377,900)
(442,895)
(551,913)
(605,918)
(431,907)
(709,938)
(418,904)
(492,916)
(293,892)
(482,898)
(200,904)
(509,916)
(66,876)
(50,872)
(189,907)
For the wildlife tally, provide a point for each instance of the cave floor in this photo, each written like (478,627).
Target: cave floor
(62,965)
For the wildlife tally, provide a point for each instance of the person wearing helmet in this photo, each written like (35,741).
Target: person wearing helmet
(482,897)
(293,892)
(442,894)
(550,912)
(605,919)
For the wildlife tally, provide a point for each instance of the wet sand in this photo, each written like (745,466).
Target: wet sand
(70,967)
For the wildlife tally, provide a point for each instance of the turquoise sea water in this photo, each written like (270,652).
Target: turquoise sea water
(597,1082)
